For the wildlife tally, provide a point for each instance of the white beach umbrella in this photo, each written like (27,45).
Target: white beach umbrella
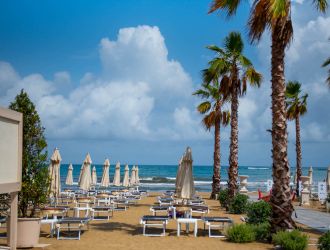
(81,171)
(187,181)
(116,178)
(137,178)
(126,177)
(86,179)
(178,178)
(105,181)
(94,176)
(133,179)
(69,177)
(328,179)
(54,173)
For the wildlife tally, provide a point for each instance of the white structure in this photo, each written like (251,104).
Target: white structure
(305,191)
(243,183)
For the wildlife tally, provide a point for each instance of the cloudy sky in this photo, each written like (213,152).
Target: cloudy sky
(114,78)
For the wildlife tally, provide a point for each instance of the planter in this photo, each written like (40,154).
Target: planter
(28,231)
(243,183)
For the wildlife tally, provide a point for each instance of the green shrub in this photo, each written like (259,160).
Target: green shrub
(241,233)
(262,231)
(324,241)
(223,198)
(293,240)
(239,204)
(259,212)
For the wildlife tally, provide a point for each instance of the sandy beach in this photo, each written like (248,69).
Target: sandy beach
(123,231)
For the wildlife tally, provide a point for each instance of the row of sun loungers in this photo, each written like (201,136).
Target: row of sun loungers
(188,212)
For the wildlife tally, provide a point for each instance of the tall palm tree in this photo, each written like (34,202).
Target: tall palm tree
(296,107)
(211,108)
(325,64)
(276,17)
(239,71)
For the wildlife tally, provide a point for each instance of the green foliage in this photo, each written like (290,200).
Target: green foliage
(259,212)
(262,231)
(324,241)
(241,233)
(328,198)
(239,204)
(293,240)
(223,198)
(35,179)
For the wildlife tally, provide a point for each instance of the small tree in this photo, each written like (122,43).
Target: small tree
(35,178)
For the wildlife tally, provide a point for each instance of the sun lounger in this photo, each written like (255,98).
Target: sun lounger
(108,210)
(216,222)
(150,221)
(159,209)
(120,204)
(200,210)
(165,201)
(187,221)
(71,225)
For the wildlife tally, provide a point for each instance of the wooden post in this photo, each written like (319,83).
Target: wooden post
(13,220)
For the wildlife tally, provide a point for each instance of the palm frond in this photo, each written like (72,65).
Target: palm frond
(293,89)
(253,77)
(209,120)
(216,49)
(202,93)
(244,61)
(233,43)
(326,63)
(228,6)
(260,19)
(204,107)
(225,118)
(321,5)
(279,8)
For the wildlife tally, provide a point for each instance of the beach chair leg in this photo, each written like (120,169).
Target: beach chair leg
(144,229)
(195,230)
(179,229)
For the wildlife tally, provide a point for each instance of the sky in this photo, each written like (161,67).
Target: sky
(115,78)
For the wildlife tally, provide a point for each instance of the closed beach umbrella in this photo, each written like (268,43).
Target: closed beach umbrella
(69,177)
(86,179)
(187,180)
(137,178)
(178,178)
(116,178)
(94,176)
(54,173)
(126,177)
(133,180)
(105,181)
(81,171)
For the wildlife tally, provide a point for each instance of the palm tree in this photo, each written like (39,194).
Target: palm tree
(239,71)
(325,64)
(214,117)
(276,17)
(296,107)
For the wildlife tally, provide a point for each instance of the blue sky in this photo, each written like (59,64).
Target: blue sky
(115,78)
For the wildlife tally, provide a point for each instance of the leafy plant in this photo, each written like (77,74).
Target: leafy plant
(324,241)
(223,198)
(259,212)
(35,178)
(293,240)
(239,204)
(241,233)
(328,198)
(262,231)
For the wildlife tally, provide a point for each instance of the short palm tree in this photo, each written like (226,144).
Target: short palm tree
(211,108)
(239,72)
(296,107)
(325,64)
(276,17)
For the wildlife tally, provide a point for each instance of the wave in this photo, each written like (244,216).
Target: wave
(255,168)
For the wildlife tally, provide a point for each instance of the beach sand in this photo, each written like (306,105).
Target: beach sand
(123,231)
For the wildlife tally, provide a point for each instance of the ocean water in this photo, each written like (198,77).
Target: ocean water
(162,177)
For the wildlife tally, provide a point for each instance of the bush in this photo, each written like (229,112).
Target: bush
(239,204)
(241,233)
(262,231)
(293,240)
(259,212)
(324,241)
(224,198)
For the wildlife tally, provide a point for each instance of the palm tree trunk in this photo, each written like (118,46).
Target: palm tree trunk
(233,155)
(216,156)
(298,156)
(280,199)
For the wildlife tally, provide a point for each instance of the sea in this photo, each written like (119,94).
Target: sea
(162,177)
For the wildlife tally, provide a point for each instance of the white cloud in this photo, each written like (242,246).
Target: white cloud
(136,96)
